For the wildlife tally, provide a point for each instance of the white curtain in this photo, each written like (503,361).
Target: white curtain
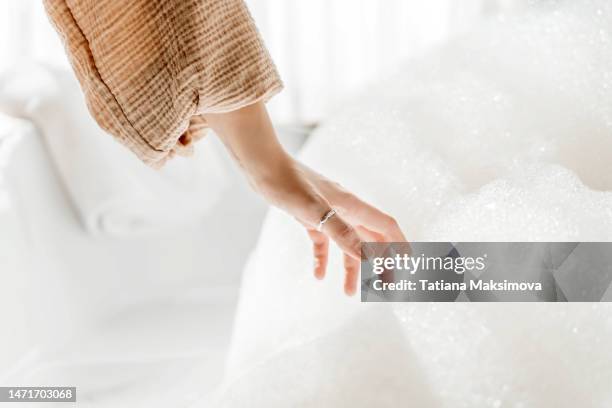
(325,49)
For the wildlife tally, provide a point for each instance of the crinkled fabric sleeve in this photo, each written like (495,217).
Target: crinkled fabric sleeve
(150,69)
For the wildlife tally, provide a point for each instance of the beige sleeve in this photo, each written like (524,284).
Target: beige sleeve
(150,68)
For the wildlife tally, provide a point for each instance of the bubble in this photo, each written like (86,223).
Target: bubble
(503,135)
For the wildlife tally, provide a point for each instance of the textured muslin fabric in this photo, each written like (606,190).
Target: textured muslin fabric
(150,68)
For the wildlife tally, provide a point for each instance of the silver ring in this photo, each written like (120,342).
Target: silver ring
(328,215)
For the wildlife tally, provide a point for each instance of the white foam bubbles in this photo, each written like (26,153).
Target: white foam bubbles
(505,135)
(532,203)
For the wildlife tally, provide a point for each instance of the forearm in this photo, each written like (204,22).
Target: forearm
(250,138)
(306,195)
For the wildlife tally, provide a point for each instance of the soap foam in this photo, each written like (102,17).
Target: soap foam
(506,134)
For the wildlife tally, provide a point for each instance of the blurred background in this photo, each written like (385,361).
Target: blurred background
(96,292)
(325,50)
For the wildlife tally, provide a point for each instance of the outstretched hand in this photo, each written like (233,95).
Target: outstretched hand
(356,221)
(300,191)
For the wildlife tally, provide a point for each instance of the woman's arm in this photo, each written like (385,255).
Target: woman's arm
(293,187)
(149,87)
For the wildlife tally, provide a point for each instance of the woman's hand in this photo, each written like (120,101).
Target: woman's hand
(303,193)
(312,196)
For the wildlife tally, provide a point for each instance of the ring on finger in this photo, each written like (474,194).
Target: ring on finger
(326,217)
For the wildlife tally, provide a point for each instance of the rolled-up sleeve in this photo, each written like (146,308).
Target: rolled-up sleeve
(150,69)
